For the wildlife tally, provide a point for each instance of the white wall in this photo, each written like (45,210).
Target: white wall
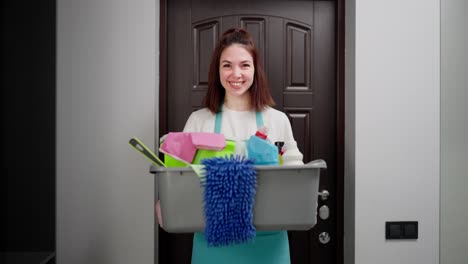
(454,131)
(395,54)
(106,94)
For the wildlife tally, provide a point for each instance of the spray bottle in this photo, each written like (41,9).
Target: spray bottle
(260,149)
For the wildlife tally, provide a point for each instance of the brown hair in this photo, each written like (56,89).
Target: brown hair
(259,91)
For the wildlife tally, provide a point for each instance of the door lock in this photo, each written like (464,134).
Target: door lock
(324,237)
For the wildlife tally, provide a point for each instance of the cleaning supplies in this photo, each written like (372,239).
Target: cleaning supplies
(279,145)
(291,155)
(139,146)
(179,147)
(227,151)
(229,196)
(208,141)
(261,150)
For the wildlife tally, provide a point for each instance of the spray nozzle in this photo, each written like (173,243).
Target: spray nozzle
(262,132)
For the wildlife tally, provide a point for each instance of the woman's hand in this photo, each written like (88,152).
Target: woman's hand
(158,213)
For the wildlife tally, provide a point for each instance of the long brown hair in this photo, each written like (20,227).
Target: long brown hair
(259,91)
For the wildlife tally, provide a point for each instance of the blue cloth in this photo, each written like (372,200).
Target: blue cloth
(268,247)
(229,193)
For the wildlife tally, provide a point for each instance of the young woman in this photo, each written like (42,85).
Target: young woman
(237,102)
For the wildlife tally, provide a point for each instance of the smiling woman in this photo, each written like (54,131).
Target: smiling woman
(237,104)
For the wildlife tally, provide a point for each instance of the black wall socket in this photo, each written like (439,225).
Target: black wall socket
(401,230)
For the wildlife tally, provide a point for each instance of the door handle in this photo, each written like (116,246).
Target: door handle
(324,195)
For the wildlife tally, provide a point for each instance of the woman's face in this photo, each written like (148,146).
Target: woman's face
(236,70)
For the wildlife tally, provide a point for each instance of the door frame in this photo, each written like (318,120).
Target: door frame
(340,106)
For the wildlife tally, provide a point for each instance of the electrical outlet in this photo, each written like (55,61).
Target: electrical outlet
(401,230)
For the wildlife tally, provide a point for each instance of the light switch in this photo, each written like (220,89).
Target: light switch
(410,230)
(401,230)
(393,231)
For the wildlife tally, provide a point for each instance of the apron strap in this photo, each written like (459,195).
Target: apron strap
(219,116)
(259,119)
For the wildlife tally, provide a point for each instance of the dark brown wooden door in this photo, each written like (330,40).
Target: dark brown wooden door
(297,44)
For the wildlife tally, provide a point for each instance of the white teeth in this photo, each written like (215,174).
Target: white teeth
(236,83)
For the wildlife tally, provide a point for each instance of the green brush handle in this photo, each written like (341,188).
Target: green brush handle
(138,145)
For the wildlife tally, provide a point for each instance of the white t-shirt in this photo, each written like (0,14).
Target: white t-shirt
(240,125)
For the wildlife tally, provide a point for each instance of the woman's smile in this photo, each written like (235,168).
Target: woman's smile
(236,84)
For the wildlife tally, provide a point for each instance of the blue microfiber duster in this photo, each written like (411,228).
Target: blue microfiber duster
(230,184)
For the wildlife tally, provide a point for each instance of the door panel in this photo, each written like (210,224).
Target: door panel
(296,41)
(205,36)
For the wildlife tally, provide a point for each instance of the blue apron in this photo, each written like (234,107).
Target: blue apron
(268,247)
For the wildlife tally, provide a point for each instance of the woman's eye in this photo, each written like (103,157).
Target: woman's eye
(226,66)
(246,65)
